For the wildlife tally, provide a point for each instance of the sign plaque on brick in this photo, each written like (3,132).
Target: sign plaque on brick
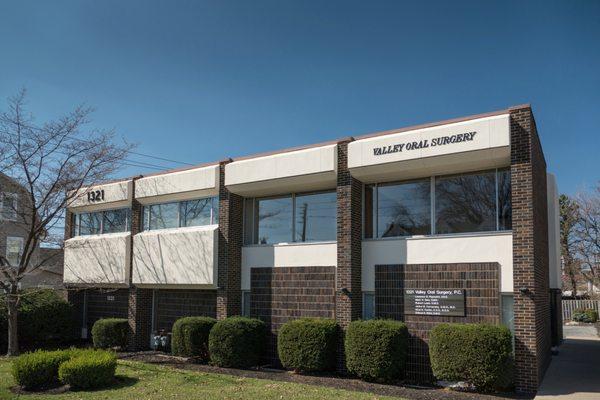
(435,302)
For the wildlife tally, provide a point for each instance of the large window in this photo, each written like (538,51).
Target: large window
(291,218)
(8,206)
(475,202)
(99,222)
(181,214)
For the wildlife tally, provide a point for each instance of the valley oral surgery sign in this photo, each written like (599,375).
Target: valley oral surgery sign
(439,141)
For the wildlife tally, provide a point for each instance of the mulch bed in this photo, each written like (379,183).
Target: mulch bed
(338,382)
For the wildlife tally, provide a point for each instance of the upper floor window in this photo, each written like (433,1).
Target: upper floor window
(14,250)
(474,202)
(8,206)
(99,222)
(303,217)
(180,214)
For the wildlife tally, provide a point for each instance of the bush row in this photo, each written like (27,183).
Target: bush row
(45,321)
(587,316)
(81,369)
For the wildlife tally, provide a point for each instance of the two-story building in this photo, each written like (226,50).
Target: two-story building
(454,221)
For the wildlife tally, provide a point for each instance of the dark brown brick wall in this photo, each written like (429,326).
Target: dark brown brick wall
(170,305)
(281,294)
(229,294)
(530,251)
(349,248)
(480,280)
(77,300)
(140,318)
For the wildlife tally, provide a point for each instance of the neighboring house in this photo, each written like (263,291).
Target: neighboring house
(585,287)
(13,233)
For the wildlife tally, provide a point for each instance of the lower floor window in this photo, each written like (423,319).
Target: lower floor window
(368,305)
(246,303)
(14,250)
(508,312)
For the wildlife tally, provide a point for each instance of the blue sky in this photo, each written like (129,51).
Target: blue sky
(199,81)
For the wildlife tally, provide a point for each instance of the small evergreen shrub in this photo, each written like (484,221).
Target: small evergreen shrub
(376,350)
(109,333)
(88,369)
(308,344)
(38,370)
(477,353)
(190,336)
(592,315)
(237,342)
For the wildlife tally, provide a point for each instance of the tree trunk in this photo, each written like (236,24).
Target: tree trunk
(13,334)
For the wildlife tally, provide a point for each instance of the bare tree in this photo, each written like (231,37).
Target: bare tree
(52,163)
(569,218)
(588,234)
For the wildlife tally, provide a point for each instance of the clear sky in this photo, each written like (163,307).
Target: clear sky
(199,81)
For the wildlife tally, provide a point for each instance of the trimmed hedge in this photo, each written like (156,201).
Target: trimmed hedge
(38,370)
(88,369)
(190,336)
(376,350)
(477,353)
(308,344)
(45,321)
(109,333)
(587,316)
(237,342)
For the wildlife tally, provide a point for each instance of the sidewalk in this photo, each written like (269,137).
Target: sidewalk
(575,372)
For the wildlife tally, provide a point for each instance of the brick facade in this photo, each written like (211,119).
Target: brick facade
(348,301)
(281,294)
(140,318)
(172,304)
(530,251)
(480,280)
(229,277)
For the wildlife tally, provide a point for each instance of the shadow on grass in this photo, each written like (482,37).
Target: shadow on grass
(120,382)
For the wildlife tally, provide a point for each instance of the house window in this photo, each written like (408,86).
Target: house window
(246,303)
(474,202)
(101,222)
(197,212)
(8,206)
(508,314)
(306,217)
(14,250)
(368,305)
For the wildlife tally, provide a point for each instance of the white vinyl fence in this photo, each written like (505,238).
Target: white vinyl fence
(568,306)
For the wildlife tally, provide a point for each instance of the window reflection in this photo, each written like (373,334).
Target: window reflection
(316,217)
(274,220)
(163,216)
(404,209)
(90,223)
(465,203)
(115,221)
(504,200)
(196,212)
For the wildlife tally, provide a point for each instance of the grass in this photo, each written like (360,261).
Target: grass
(145,381)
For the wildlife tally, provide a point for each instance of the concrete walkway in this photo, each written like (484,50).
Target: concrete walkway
(575,372)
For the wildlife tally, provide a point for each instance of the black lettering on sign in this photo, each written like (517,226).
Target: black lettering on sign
(423,144)
(435,302)
(95,195)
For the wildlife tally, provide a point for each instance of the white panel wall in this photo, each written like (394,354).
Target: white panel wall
(180,185)
(97,259)
(433,250)
(116,195)
(182,256)
(287,255)
(305,169)
(554,234)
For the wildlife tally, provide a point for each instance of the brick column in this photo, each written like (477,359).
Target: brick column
(229,276)
(140,300)
(530,251)
(348,299)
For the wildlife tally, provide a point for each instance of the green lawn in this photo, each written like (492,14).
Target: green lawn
(145,381)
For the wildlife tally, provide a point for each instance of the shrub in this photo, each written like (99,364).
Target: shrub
(88,369)
(376,349)
(38,370)
(190,336)
(592,315)
(477,353)
(237,342)
(45,320)
(109,333)
(308,344)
